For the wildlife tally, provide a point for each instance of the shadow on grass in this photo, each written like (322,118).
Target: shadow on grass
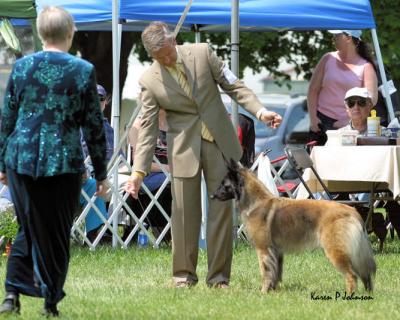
(292,287)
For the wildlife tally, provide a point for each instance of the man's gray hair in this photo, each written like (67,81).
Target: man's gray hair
(155,36)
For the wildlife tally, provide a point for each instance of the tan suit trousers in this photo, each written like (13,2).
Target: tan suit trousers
(186,221)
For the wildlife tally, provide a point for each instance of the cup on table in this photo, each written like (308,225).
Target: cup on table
(334,138)
(349,137)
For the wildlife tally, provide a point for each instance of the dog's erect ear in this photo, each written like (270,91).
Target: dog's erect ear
(233,165)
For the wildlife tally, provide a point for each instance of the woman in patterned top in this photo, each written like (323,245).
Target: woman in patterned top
(50,96)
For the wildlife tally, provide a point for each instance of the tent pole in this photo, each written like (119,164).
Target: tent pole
(234,105)
(197,35)
(115,97)
(235,53)
(389,104)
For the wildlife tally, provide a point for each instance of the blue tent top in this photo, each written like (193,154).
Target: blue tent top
(266,14)
(84,12)
(269,14)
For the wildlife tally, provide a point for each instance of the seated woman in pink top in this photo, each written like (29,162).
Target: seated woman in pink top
(337,72)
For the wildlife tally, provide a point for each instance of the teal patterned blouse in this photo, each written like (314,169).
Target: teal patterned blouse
(49,97)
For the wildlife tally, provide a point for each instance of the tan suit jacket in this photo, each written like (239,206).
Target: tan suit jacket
(184,114)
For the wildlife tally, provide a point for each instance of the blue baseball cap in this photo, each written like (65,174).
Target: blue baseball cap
(101,91)
(353,33)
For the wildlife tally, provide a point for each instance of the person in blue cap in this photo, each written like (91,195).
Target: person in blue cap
(93,221)
(109,131)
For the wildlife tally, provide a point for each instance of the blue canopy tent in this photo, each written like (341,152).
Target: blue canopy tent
(85,13)
(253,14)
(216,15)
(261,14)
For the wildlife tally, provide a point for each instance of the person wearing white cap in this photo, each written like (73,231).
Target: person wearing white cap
(349,67)
(358,106)
(354,33)
(358,102)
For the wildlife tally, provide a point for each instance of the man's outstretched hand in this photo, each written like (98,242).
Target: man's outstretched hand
(271,118)
(133,184)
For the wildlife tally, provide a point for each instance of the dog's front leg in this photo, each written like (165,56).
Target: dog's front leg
(269,261)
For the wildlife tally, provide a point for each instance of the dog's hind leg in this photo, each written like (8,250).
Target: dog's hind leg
(280,266)
(269,260)
(342,262)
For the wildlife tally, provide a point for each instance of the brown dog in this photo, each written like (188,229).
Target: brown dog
(278,225)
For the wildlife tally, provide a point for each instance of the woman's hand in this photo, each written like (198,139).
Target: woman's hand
(314,124)
(340,124)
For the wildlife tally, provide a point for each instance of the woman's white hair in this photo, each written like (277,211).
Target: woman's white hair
(54,24)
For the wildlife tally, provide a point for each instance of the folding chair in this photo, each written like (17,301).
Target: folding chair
(150,205)
(284,187)
(300,160)
(278,167)
(288,188)
(118,205)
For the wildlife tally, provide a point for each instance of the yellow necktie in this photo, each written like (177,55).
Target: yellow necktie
(179,75)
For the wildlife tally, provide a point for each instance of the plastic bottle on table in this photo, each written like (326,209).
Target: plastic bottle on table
(373,124)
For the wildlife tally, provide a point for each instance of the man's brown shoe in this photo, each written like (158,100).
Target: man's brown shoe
(221,285)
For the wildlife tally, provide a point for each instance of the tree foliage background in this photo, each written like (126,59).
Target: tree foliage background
(258,50)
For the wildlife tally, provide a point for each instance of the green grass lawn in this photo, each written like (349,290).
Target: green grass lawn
(136,284)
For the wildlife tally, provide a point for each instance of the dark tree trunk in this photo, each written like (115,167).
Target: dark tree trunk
(96,47)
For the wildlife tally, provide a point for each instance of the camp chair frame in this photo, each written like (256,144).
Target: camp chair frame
(118,202)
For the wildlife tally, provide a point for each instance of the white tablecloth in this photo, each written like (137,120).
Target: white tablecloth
(354,168)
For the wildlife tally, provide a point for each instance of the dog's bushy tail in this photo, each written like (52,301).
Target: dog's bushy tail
(361,255)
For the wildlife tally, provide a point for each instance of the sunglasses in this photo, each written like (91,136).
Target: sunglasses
(352,102)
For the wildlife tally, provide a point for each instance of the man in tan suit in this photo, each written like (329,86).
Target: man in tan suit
(183,80)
